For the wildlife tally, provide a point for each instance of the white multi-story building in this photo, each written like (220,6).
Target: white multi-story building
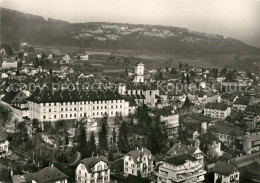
(181,168)
(48,105)
(139,73)
(9,63)
(225,172)
(4,146)
(138,162)
(217,110)
(171,119)
(93,170)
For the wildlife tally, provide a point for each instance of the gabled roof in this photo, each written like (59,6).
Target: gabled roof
(224,168)
(217,106)
(241,101)
(46,96)
(226,129)
(46,175)
(178,149)
(8,98)
(180,159)
(139,153)
(92,161)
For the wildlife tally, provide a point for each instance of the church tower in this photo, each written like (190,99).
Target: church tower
(139,73)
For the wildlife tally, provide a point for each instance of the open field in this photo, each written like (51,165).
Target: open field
(98,58)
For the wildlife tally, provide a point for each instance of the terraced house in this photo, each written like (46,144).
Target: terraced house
(48,105)
(217,110)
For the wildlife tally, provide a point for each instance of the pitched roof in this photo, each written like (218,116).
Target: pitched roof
(46,96)
(178,149)
(92,161)
(224,168)
(12,94)
(226,129)
(217,106)
(139,153)
(48,174)
(241,101)
(165,111)
(180,159)
(141,86)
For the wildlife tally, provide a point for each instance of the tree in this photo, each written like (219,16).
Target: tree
(103,144)
(17,73)
(110,155)
(155,138)
(180,66)
(187,103)
(82,141)
(188,78)
(123,144)
(5,115)
(36,62)
(92,144)
(183,78)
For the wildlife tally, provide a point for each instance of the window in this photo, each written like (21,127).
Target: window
(61,109)
(49,110)
(70,115)
(54,116)
(44,117)
(43,104)
(75,109)
(49,104)
(61,116)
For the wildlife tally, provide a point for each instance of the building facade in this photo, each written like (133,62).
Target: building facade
(138,162)
(9,63)
(225,172)
(4,146)
(181,168)
(93,170)
(217,110)
(47,105)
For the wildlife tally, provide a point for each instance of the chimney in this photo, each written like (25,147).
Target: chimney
(142,149)
(52,166)
(12,172)
(137,148)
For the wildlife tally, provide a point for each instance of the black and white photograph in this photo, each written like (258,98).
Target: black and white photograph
(129,91)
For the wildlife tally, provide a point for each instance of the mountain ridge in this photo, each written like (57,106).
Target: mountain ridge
(37,30)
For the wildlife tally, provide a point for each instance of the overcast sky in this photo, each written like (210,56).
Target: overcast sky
(239,19)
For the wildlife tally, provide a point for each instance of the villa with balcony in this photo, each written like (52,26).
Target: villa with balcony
(180,168)
(93,170)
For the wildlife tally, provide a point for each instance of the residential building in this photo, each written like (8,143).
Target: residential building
(251,116)
(46,175)
(4,145)
(16,98)
(225,172)
(217,110)
(50,105)
(181,168)
(248,143)
(93,170)
(171,119)
(226,133)
(9,63)
(138,162)
(240,104)
(179,149)
(84,57)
